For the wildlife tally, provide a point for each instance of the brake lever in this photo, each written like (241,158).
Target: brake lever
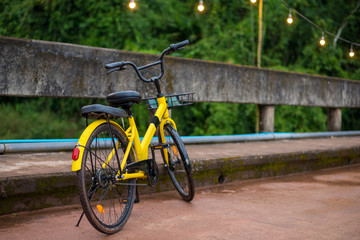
(116,69)
(172,50)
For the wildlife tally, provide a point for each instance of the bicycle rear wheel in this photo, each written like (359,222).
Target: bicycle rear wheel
(179,167)
(106,203)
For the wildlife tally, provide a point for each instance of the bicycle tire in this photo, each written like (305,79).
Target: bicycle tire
(179,167)
(107,205)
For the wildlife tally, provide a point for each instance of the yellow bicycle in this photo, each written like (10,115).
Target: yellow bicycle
(108,159)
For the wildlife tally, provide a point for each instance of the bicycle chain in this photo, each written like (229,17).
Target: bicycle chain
(132,184)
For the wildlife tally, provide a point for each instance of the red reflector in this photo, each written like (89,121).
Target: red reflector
(75,154)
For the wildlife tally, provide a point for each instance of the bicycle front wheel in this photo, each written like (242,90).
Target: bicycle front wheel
(106,202)
(178,164)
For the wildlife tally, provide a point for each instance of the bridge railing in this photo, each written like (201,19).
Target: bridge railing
(51,69)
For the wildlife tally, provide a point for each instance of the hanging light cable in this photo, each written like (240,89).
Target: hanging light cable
(320,28)
(289,19)
(132,4)
(201,6)
(322,40)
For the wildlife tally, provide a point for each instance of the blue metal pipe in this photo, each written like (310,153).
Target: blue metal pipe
(264,137)
(50,145)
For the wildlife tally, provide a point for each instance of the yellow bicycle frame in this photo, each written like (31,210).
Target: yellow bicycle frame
(160,118)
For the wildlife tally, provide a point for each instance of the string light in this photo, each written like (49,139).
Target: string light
(351,53)
(201,6)
(322,40)
(290,19)
(132,4)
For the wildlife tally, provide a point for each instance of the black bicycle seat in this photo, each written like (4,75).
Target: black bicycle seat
(123,99)
(98,111)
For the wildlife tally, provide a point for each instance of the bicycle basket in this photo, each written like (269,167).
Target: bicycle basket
(175,100)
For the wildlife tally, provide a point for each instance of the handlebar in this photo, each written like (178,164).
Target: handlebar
(114,65)
(118,66)
(179,46)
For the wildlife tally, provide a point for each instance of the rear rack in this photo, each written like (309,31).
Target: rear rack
(174,100)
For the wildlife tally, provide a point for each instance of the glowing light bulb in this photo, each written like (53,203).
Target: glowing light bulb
(201,6)
(132,4)
(253,1)
(290,20)
(322,40)
(351,53)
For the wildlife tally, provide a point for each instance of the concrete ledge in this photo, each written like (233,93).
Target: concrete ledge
(218,171)
(37,192)
(32,192)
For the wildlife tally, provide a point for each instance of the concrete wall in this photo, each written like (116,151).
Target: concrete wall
(39,68)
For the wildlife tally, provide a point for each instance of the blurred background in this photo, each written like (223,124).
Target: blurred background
(225,31)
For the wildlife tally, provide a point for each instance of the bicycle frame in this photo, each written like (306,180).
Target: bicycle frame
(160,118)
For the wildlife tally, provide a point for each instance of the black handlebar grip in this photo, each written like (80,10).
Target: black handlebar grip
(114,65)
(176,46)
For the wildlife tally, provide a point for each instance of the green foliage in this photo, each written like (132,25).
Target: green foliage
(39,118)
(350,119)
(99,23)
(226,31)
(226,119)
(300,119)
(141,116)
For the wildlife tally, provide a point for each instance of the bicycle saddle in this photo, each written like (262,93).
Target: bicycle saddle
(98,111)
(123,99)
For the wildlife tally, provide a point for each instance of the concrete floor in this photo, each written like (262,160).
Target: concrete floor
(318,205)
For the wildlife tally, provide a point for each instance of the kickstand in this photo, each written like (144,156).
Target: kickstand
(137,199)
(80,219)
